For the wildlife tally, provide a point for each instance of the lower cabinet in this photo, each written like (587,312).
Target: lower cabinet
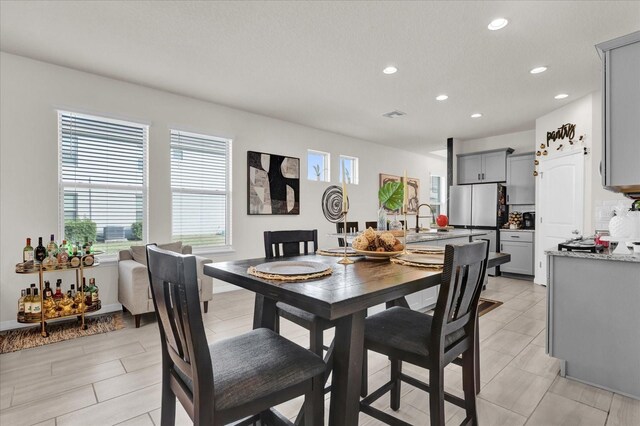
(521,256)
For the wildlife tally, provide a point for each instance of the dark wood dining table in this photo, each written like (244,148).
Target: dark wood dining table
(343,296)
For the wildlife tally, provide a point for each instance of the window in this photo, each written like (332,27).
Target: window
(349,167)
(436,194)
(102,181)
(318,166)
(200,189)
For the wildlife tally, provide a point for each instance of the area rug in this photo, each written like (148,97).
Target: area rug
(25,338)
(487,305)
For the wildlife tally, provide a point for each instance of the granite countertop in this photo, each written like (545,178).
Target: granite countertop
(517,230)
(605,255)
(436,236)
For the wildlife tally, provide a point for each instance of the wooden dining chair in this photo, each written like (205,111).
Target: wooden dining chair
(233,379)
(432,342)
(351,227)
(288,243)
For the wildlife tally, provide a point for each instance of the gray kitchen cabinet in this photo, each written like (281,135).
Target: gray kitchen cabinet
(483,167)
(520,246)
(621,103)
(521,184)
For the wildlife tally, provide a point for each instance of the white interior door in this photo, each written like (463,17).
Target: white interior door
(560,207)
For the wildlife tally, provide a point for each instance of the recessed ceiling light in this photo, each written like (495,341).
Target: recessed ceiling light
(442,98)
(390,70)
(476,115)
(538,70)
(497,24)
(561,96)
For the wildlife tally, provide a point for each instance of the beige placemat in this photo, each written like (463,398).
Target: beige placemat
(252,271)
(336,254)
(418,265)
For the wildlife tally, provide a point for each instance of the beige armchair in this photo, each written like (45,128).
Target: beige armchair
(134,292)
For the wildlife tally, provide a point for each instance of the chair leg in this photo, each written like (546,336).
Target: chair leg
(314,403)
(396,369)
(469,386)
(206,306)
(316,339)
(137,318)
(168,405)
(364,388)
(436,396)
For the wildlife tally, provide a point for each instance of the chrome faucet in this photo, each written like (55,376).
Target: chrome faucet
(433,215)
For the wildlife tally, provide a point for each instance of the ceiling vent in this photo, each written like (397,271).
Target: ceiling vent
(394,113)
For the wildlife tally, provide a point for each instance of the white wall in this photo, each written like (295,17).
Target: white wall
(31,93)
(586,114)
(519,141)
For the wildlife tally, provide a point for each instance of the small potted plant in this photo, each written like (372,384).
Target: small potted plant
(316,169)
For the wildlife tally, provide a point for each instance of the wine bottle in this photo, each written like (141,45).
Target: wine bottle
(27,252)
(93,288)
(40,252)
(52,247)
(27,305)
(86,247)
(23,295)
(36,305)
(47,292)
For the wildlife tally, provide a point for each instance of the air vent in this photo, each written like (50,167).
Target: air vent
(394,113)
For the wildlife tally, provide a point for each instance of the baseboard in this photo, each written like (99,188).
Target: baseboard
(13,325)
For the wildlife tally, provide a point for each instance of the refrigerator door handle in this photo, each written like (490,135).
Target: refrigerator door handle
(479,176)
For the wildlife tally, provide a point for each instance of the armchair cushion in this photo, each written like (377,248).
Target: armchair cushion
(139,253)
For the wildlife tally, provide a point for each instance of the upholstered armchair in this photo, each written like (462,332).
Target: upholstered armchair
(134,292)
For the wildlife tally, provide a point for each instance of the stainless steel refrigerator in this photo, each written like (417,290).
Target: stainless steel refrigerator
(479,206)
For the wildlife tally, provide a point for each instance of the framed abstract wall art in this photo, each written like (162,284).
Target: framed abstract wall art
(273,184)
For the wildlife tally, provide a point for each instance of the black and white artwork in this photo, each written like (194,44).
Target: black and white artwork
(273,184)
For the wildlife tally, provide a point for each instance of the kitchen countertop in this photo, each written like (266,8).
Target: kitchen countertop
(422,237)
(605,255)
(517,230)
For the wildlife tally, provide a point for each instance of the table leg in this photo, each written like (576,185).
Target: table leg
(402,302)
(347,370)
(264,313)
(476,358)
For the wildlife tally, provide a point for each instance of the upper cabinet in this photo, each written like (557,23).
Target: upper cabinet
(483,167)
(521,184)
(621,119)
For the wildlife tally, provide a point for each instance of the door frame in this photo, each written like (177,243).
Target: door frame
(540,273)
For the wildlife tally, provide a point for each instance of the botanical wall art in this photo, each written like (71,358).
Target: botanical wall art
(413,188)
(273,184)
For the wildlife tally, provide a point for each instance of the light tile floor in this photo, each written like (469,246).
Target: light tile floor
(114,378)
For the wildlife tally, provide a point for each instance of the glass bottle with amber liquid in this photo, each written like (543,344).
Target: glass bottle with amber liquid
(93,289)
(47,292)
(21,308)
(27,304)
(36,305)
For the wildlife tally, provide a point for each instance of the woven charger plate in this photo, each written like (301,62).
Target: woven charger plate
(290,278)
(337,252)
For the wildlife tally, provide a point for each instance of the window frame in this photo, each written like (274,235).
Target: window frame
(144,188)
(441,202)
(327,165)
(355,179)
(228,193)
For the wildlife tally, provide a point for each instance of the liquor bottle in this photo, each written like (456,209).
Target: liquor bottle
(86,247)
(75,259)
(36,305)
(27,252)
(93,288)
(23,295)
(87,293)
(40,252)
(52,247)
(58,294)
(72,291)
(27,305)
(50,262)
(63,254)
(47,292)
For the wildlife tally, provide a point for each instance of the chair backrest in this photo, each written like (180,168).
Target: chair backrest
(185,354)
(287,243)
(464,268)
(351,227)
(373,225)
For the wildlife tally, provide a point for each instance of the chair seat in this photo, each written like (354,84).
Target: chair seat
(301,317)
(405,330)
(257,364)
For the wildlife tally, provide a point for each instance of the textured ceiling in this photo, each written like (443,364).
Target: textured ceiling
(319,63)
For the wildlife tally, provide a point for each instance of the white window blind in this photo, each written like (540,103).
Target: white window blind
(200,168)
(102,180)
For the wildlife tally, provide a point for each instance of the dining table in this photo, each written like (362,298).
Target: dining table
(343,296)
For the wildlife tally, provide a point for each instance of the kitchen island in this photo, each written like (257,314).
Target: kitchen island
(593,318)
(459,235)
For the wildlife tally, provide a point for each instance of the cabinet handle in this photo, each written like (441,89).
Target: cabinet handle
(483,176)
(515,236)
(501,247)
(478,176)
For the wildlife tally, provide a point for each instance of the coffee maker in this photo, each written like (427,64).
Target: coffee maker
(529,220)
